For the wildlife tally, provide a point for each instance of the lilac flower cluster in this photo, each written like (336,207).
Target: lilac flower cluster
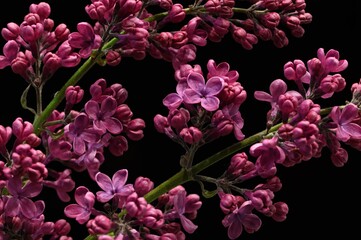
(204,107)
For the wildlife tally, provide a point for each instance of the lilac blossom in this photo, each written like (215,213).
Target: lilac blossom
(268,153)
(277,88)
(20,201)
(80,134)
(84,207)
(242,218)
(203,92)
(180,201)
(102,115)
(345,127)
(85,39)
(113,187)
(174,100)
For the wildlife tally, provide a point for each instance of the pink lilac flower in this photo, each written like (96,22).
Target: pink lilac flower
(242,218)
(277,88)
(221,70)
(268,153)
(102,115)
(180,202)
(20,201)
(345,127)
(84,207)
(113,187)
(174,100)
(85,39)
(80,134)
(203,92)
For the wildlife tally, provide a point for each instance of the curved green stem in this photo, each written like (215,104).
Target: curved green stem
(59,96)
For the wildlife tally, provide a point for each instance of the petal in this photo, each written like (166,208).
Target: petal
(73,210)
(262,96)
(252,221)
(349,113)
(113,125)
(172,101)
(196,81)
(104,196)
(31,189)
(214,86)
(104,182)
(120,178)
(187,224)
(79,145)
(28,208)
(210,103)
(191,97)
(353,130)
(235,230)
(180,201)
(108,107)
(92,109)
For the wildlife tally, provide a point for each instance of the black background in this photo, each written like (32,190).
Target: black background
(323,200)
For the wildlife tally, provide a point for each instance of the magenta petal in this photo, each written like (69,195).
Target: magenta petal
(92,109)
(349,113)
(73,210)
(210,103)
(353,130)
(214,85)
(196,81)
(86,30)
(252,221)
(235,230)
(28,208)
(32,189)
(126,190)
(108,106)
(12,207)
(81,195)
(172,101)
(191,97)
(104,196)
(113,125)
(277,88)
(262,96)
(120,178)
(79,146)
(187,224)
(104,182)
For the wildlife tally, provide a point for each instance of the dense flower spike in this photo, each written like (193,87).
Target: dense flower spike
(203,107)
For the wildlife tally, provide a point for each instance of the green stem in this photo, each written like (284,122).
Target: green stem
(59,96)
(182,176)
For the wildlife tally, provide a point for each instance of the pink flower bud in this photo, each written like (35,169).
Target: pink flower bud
(62,227)
(99,225)
(143,185)
(191,135)
(113,58)
(281,211)
(74,94)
